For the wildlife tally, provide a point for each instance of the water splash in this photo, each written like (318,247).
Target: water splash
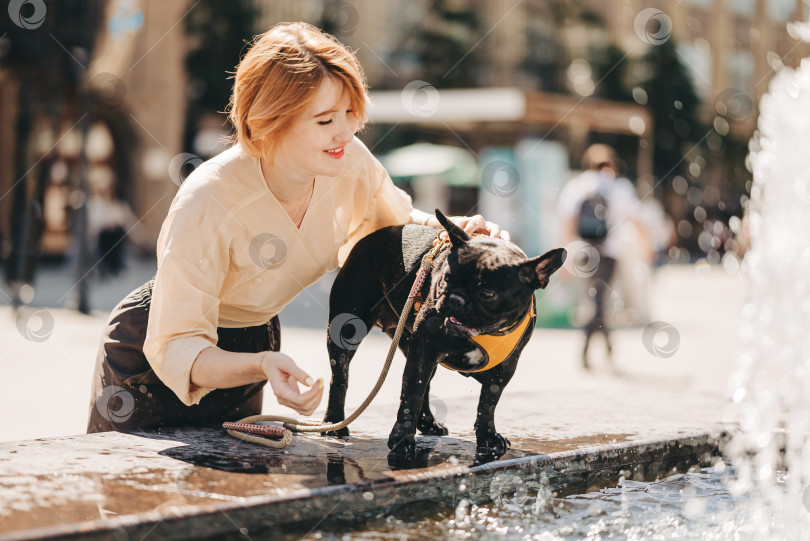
(771,388)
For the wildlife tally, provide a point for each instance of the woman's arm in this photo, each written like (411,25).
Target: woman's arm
(217,368)
(421,218)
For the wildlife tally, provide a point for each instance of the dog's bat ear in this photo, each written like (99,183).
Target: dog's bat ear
(457,235)
(536,272)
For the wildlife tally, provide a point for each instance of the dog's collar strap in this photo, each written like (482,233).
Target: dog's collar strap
(497,347)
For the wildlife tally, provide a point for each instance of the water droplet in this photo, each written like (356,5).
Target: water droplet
(765,471)
(462,510)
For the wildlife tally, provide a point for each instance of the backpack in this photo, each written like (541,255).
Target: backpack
(592,218)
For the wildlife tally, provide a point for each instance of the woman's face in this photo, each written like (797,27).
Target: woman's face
(315,143)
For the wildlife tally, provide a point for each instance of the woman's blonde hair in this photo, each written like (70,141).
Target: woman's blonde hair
(278,77)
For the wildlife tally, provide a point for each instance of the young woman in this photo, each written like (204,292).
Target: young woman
(247,232)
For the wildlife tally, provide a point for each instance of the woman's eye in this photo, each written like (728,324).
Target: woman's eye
(327,122)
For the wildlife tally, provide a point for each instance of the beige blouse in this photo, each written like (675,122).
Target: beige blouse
(230,256)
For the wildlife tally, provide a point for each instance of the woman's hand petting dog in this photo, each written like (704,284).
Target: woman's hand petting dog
(284,376)
(477,224)
(474,224)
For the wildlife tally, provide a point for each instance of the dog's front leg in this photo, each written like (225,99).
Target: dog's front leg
(418,370)
(338,387)
(427,423)
(489,444)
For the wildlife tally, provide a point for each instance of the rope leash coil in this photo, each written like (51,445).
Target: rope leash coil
(309,425)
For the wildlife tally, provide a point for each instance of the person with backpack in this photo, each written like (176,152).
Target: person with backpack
(596,207)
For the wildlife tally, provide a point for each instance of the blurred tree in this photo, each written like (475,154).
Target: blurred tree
(545,59)
(46,49)
(708,159)
(441,49)
(219,32)
(610,65)
(674,106)
(444,44)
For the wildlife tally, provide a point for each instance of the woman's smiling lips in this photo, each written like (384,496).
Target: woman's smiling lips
(335,152)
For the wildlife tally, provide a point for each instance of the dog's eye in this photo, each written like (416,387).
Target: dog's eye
(486,293)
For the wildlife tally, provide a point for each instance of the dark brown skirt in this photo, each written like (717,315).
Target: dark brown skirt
(127,393)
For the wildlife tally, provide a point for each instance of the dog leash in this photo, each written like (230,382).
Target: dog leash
(246,429)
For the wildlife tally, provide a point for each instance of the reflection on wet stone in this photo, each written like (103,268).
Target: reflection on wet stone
(109,477)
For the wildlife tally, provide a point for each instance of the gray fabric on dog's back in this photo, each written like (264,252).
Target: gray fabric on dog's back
(415,240)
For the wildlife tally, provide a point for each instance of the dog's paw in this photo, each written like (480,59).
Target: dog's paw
(343,433)
(492,447)
(402,443)
(431,427)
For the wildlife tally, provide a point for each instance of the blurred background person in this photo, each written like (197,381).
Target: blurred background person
(112,225)
(600,208)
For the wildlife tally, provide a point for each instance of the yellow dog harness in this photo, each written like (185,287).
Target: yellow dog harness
(499,345)
(495,347)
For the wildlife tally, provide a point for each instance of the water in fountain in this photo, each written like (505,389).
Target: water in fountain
(771,388)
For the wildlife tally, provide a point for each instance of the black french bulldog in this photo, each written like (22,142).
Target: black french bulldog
(477,286)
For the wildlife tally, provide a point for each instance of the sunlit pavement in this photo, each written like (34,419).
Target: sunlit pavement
(45,390)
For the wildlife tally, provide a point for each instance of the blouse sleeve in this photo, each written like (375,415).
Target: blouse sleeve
(193,258)
(386,205)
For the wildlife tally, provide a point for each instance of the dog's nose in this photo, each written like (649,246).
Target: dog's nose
(455,301)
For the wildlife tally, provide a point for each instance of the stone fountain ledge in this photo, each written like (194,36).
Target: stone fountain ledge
(197,483)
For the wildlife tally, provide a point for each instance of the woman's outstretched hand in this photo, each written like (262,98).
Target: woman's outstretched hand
(284,376)
(477,224)
(471,224)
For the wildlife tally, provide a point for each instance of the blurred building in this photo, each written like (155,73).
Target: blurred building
(134,118)
(724,43)
(532,45)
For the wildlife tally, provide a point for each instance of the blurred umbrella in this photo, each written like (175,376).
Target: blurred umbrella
(454,166)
